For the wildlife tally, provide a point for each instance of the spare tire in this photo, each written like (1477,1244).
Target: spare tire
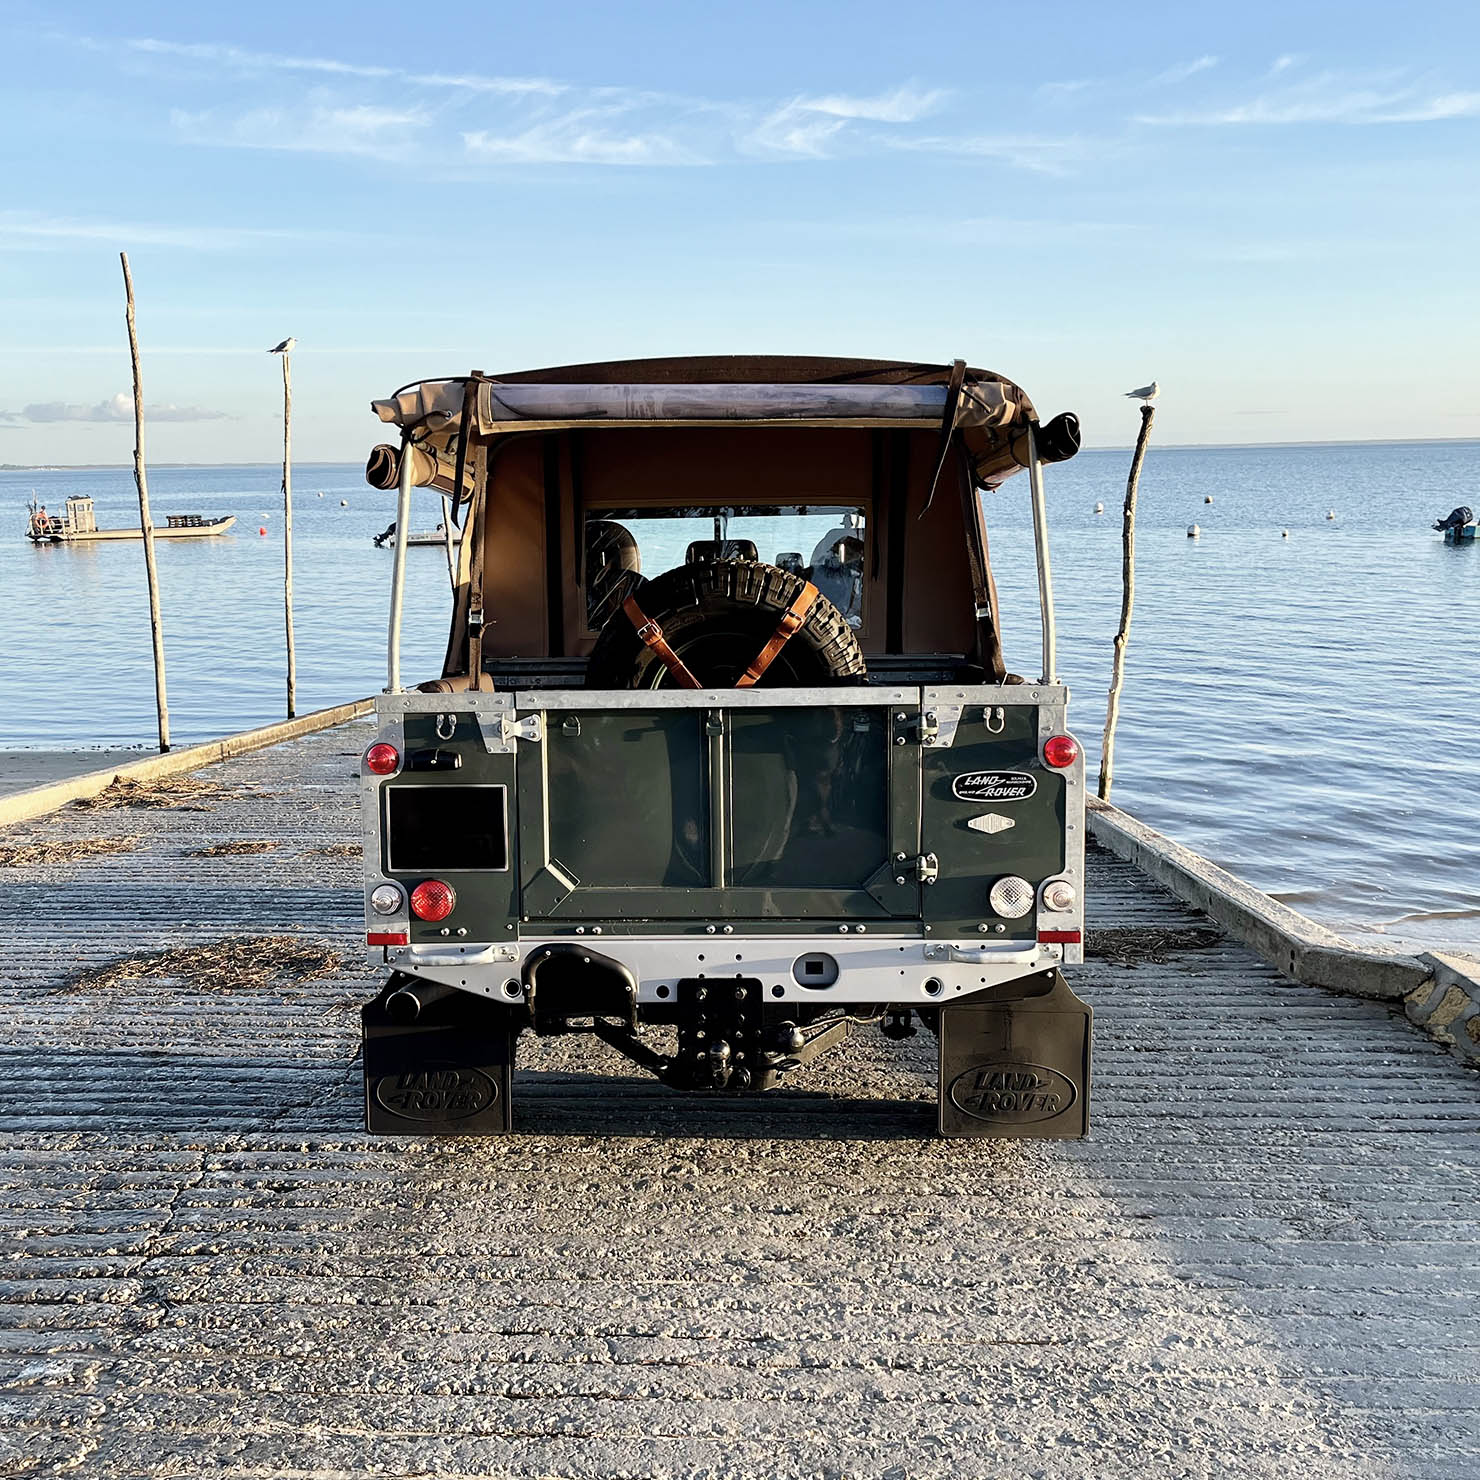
(717,615)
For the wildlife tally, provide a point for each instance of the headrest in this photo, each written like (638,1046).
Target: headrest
(703,552)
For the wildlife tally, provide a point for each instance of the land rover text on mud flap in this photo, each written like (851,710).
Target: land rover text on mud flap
(724,760)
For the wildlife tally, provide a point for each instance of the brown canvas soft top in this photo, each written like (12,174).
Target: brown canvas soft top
(987,413)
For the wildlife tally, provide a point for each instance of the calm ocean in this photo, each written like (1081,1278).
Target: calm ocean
(1305,711)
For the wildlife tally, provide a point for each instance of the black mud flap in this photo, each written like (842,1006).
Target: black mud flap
(438,1062)
(1014,1065)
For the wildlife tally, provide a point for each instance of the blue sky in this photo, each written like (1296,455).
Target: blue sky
(1271,209)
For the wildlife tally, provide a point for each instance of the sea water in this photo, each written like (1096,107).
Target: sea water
(1302,693)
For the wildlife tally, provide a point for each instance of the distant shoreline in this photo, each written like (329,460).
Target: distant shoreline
(1109,447)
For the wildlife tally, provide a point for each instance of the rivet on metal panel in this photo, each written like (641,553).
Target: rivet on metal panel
(729,930)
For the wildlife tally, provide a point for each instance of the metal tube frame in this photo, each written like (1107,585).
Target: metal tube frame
(398,568)
(1045,575)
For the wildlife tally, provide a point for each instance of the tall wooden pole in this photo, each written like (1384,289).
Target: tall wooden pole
(146,523)
(1127,600)
(288,530)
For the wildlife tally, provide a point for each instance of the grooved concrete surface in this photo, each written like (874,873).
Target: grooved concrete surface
(1264,1263)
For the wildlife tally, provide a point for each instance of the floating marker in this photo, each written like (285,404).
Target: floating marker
(261,529)
(1330,513)
(1099,508)
(1207,498)
(344,503)
(1284,534)
(1193,531)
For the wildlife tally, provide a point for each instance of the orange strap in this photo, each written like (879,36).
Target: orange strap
(795,615)
(651,635)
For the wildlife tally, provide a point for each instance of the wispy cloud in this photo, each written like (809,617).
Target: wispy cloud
(31,230)
(1183,70)
(385,133)
(808,127)
(1283,63)
(1332,98)
(115,409)
(583,136)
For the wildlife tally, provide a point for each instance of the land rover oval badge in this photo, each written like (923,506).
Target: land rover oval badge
(437,1093)
(1015,1093)
(994,786)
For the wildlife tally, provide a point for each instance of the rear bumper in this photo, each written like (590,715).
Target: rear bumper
(857,967)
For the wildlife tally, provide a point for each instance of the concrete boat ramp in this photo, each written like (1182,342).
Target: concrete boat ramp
(1266,1262)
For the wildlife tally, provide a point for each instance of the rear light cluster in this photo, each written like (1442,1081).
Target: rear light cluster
(433,900)
(381,759)
(387,899)
(1059,895)
(1011,897)
(1060,751)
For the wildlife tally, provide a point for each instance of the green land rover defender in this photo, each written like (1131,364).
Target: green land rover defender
(724,761)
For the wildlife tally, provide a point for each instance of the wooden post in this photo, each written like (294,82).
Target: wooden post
(288,528)
(146,523)
(1127,600)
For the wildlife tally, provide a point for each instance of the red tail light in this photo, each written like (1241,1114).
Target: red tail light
(432,900)
(1060,751)
(382,759)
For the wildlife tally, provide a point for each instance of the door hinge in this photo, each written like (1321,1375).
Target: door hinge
(502,729)
(528,728)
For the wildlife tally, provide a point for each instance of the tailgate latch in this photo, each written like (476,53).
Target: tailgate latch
(927,868)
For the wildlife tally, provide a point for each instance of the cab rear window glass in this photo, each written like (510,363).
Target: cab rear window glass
(824,543)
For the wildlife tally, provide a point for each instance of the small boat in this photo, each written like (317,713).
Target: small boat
(1459,526)
(387,537)
(79,524)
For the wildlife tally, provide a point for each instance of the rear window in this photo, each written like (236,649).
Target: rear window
(824,543)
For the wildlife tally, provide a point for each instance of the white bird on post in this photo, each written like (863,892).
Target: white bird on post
(1146,393)
(285,349)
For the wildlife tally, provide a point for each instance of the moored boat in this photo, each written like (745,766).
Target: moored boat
(1459,526)
(79,524)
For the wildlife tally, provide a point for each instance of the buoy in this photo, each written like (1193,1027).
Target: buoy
(344,503)
(1099,508)
(1330,513)
(1284,534)
(1207,498)
(262,529)
(1193,531)
(321,495)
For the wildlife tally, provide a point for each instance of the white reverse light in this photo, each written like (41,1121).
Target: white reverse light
(1011,897)
(1059,895)
(387,899)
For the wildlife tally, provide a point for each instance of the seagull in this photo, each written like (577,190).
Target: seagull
(1146,393)
(286,348)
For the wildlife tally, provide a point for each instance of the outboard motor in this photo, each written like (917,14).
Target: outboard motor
(1456,518)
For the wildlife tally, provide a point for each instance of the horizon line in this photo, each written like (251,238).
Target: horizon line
(329,462)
